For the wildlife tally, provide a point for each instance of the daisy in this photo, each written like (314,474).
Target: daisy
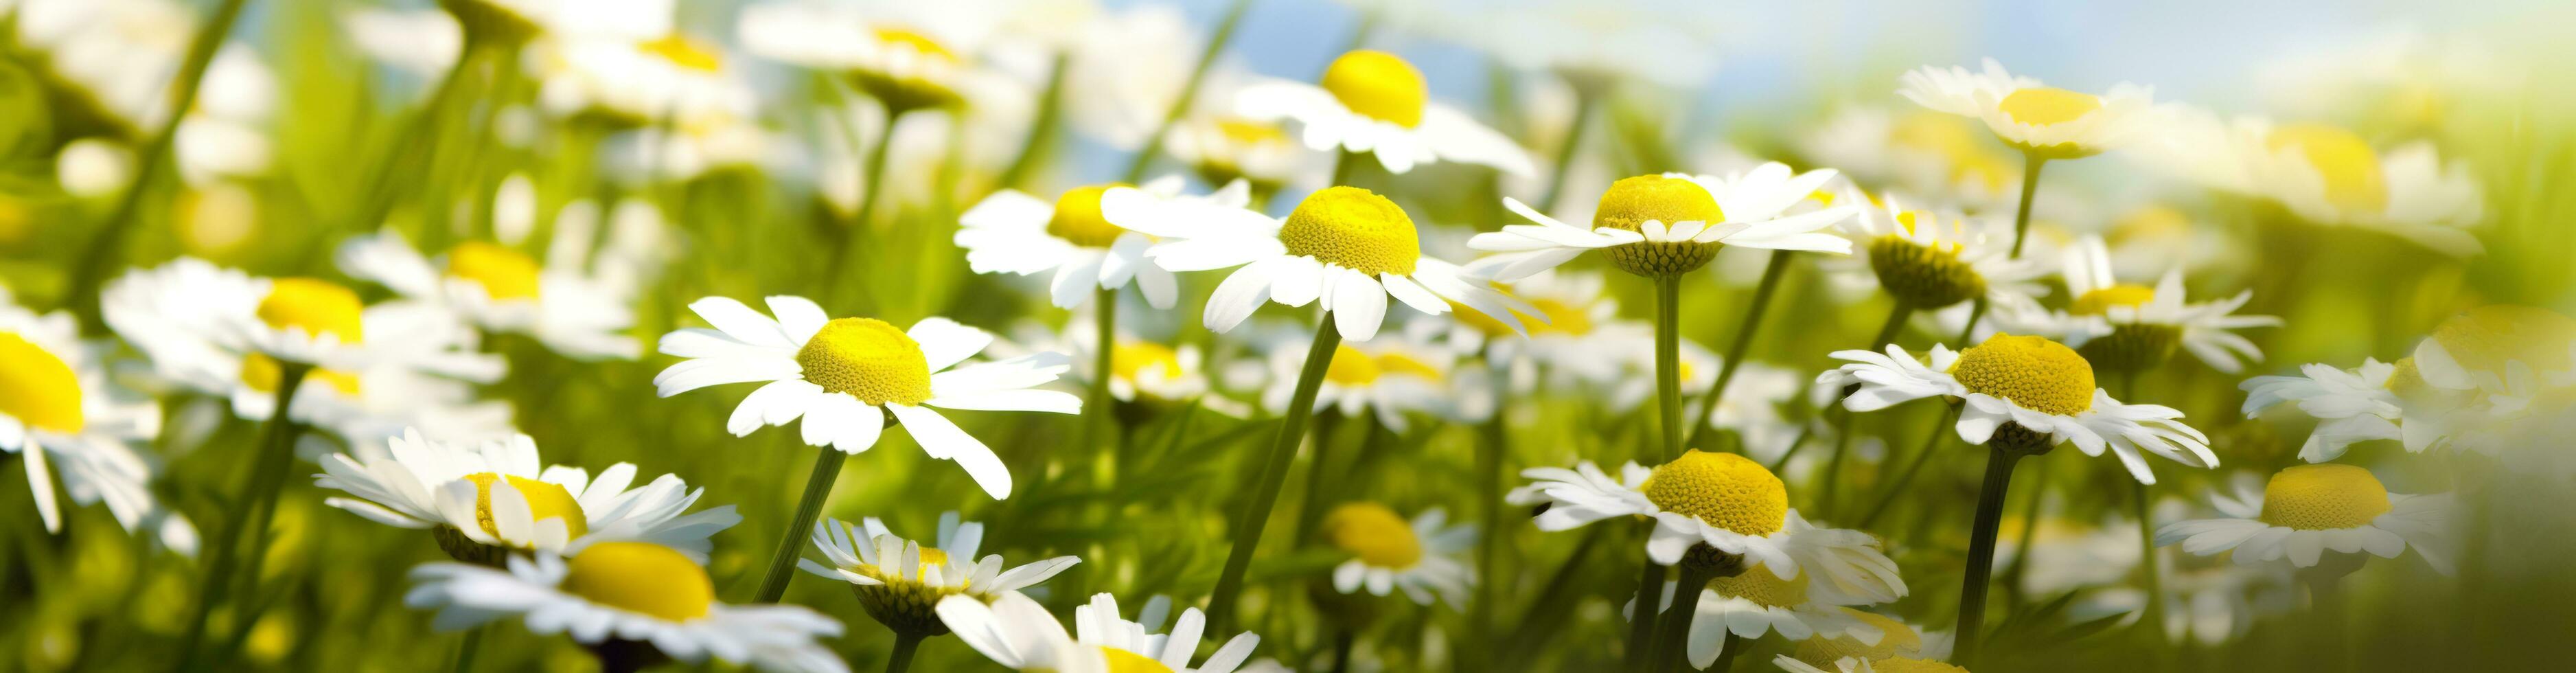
(2027,392)
(908,56)
(844,376)
(2129,327)
(2327,175)
(2350,405)
(2209,605)
(486,499)
(1915,152)
(1754,604)
(2307,509)
(1670,224)
(628,83)
(1858,665)
(57,407)
(1344,248)
(1724,501)
(2043,122)
(1894,639)
(1387,553)
(1224,148)
(499,289)
(1387,377)
(1928,259)
(900,581)
(626,593)
(1373,102)
(1575,335)
(1085,242)
(2471,357)
(1016,632)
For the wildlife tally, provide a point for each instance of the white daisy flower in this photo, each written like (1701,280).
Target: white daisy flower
(900,581)
(1388,554)
(1141,370)
(1575,336)
(2307,509)
(1669,224)
(58,409)
(907,55)
(499,289)
(627,591)
(844,376)
(629,83)
(1915,152)
(486,499)
(1724,501)
(1224,148)
(1932,259)
(2457,389)
(2328,175)
(2125,326)
(1344,248)
(421,42)
(2350,405)
(2208,605)
(2026,390)
(1387,377)
(1373,102)
(1084,240)
(2045,122)
(1016,632)
(1894,639)
(117,57)
(1753,604)
(1858,665)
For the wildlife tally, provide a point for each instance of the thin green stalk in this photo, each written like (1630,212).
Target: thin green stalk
(418,137)
(252,511)
(1274,471)
(2154,620)
(1641,620)
(904,645)
(1217,41)
(465,651)
(1931,443)
(2031,164)
(1981,555)
(1726,653)
(1104,344)
(1669,652)
(872,177)
(1343,639)
(1586,103)
(1744,331)
(82,292)
(1492,446)
(1668,363)
(818,486)
(2029,530)
(1343,163)
(1042,129)
(1311,507)
(1555,599)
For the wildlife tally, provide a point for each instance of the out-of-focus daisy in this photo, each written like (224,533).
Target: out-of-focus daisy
(2328,175)
(2209,605)
(1388,553)
(1016,632)
(1914,152)
(58,408)
(1384,377)
(908,56)
(634,592)
(1087,244)
(486,499)
(1670,224)
(500,289)
(1753,604)
(900,581)
(2306,510)
(1724,501)
(1123,68)
(1225,148)
(1575,336)
(2029,392)
(1896,639)
(844,376)
(1374,102)
(1344,248)
(1859,665)
(2441,394)
(2045,122)
(113,60)
(1930,259)
(2350,405)
(421,42)
(2130,327)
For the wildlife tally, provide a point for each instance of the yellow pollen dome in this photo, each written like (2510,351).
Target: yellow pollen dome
(2323,496)
(261,373)
(1632,201)
(1378,85)
(37,388)
(920,43)
(1898,640)
(1131,359)
(1924,277)
(2353,180)
(1354,228)
(504,273)
(930,556)
(905,84)
(1122,661)
(2042,106)
(2405,380)
(1350,367)
(2485,338)
(643,578)
(2034,372)
(869,360)
(545,501)
(1077,218)
(1725,490)
(2100,300)
(1904,665)
(315,306)
(1762,588)
(684,52)
(1374,534)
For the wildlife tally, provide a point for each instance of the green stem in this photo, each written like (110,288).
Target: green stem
(465,651)
(2031,164)
(872,177)
(1343,639)
(1217,41)
(1042,129)
(2144,502)
(904,646)
(1492,446)
(1641,620)
(1668,358)
(418,137)
(1981,555)
(1311,507)
(1555,599)
(1274,471)
(1744,330)
(1104,345)
(1931,443)
(252,512)
(1726,653)
(1669,651)
(1344,162)
(82,292)
(818,486)
(1586,103)
(2029,530)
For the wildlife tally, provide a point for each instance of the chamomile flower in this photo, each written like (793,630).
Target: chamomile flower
(1344,248)
(844,376)
(1373,102)
(2350,405)
(1387,377)
(1859,665)
(2045,122)
(62,416)
(1753,604)
(1222,148)
(633,592)
(2444,394)
(1086,242)
(1914,152)
(1931,259)
(2028,392)
(2328,175)
(2306,510)
(487,499)
(1670,224)
(1724,501)
(1016,632)
(500,289)
(1575,336)
(1387,553)
(900,581)
(908,56)
(1895,639)
(2130,327)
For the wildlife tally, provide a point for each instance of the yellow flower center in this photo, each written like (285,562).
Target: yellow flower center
(1399,363)
(504,273)
(1077,218)
(2042,106)
(261,373)
(1378,85)
(893,35)
(643,578)
(37,388)
(1633,201)
(2324,496)
(2485,338)
(2100,300)
(1560,318)
(2351,170)
(1724,490)
(1122,661)
(2034,372)
(1904,665)
(318,307)
(1374,534)
(930,556)
(1922,276)
(1350,367)
(2405,380)
(1131,359)
(545,501)
(1354,228)
(684,52)
(1250,132)
(869,360)
(1898,641)
(1762,588)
